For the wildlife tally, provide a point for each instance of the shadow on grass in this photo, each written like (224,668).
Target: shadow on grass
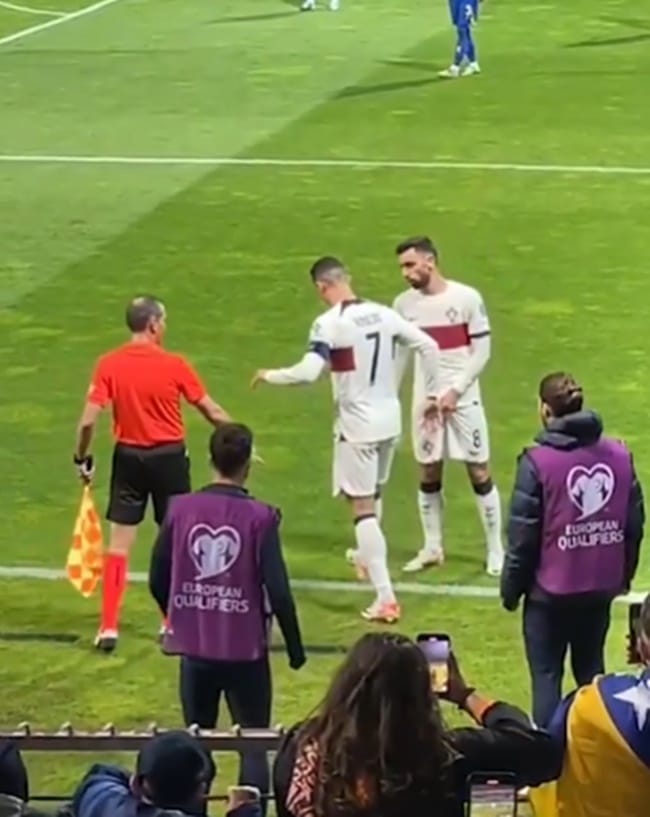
(253,18)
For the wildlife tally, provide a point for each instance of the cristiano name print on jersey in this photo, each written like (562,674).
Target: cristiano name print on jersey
(454,318)
(357,339)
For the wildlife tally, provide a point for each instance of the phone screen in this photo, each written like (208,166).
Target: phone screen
(492,798)
(436,647)
(633,616)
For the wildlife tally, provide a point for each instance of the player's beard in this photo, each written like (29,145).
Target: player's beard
(420,283)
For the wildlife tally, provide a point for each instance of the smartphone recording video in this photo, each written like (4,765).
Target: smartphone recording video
(492,795)
(633,616)
(436,648)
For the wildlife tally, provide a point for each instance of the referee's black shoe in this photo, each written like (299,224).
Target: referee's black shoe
(106,641)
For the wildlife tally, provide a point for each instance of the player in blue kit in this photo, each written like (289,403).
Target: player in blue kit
(464,13)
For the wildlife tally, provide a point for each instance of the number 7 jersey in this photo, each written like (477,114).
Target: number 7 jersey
(358,339)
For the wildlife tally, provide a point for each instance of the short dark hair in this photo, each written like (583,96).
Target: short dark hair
(644,618)
(327,267)
(231,448)
(176,770)
(142,310)
(561,393)
(420,243)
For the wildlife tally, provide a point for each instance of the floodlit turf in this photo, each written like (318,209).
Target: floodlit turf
(560,257)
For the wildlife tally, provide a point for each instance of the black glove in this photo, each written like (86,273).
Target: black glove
(85,468)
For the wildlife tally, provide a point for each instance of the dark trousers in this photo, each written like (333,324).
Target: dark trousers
(550,629)
(247,689)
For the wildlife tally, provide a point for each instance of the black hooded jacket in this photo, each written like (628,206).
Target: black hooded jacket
(526,515)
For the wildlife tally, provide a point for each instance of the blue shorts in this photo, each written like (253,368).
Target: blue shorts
(463,12)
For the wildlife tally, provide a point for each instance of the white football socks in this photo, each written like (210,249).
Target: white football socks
(489,508)
(371,546)
(430,507)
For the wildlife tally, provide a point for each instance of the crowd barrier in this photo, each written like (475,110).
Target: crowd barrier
(110,739)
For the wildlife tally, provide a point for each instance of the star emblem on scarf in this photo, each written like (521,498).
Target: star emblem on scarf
(638,697)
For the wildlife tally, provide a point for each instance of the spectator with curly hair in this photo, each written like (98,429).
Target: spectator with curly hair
(378,744)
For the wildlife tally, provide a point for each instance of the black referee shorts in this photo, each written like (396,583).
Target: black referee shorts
(139,473)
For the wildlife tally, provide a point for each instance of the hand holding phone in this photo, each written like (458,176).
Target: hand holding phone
(492,795)
(437,649)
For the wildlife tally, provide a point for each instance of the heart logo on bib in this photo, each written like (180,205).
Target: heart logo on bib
(213,551)
(590,489)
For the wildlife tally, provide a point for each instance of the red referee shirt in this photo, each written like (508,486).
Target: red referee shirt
(144,384)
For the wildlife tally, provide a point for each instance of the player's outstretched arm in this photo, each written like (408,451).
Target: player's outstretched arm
(308,370)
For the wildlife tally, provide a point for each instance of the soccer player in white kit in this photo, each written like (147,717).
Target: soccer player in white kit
(455,316)
(358,340)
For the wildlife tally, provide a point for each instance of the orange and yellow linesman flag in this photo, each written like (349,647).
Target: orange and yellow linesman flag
(84,564)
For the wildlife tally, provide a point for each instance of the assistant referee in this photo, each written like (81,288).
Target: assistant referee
(143,384)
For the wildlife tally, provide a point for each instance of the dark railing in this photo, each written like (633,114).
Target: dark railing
(110,739)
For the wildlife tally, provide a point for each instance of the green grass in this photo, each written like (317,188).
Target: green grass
(560,258)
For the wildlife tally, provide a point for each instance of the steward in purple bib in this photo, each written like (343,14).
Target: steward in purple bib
(574,532)
(218,576)
(575,525)
(218,606)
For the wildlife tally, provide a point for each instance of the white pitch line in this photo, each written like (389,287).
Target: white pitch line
(57,21)
(358,164)
(413,588)
(30,10)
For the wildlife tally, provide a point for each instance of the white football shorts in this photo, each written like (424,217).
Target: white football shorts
(463,436)
(360,468)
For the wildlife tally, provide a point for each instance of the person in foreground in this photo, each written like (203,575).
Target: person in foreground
(173,773)
(605,731)
(574,533)
(378,744)
(218,573)
(358,340)
(14,786)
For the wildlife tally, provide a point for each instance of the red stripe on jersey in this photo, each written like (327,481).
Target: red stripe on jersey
(342,360)
(454,336)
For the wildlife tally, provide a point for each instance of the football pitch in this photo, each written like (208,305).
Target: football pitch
(208,152)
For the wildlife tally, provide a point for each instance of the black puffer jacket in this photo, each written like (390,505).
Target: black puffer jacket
(577,430)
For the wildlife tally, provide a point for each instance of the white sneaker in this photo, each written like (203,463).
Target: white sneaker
(453,72)
(334,5)
(424,560)
(308,5)
(471,68)
(495,563)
